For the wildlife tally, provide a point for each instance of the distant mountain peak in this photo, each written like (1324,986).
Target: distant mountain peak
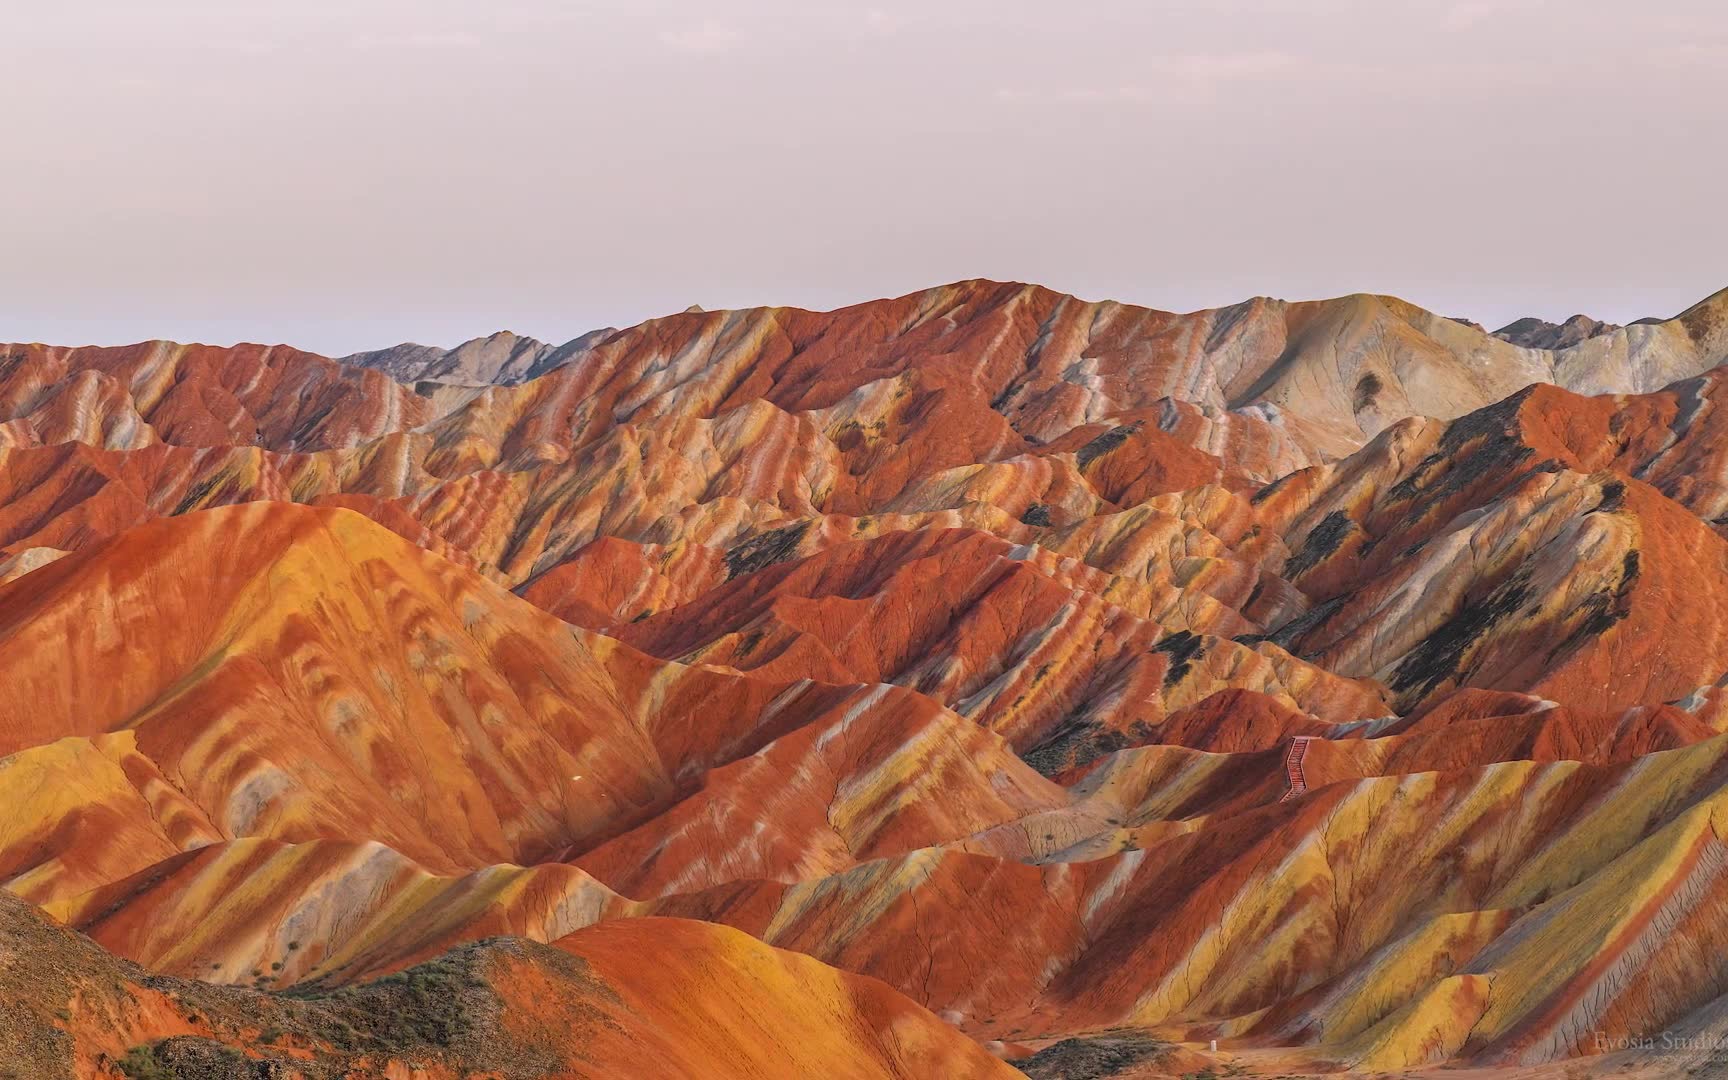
(1533,333)
(502,358)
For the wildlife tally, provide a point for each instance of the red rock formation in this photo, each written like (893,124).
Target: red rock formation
(960,641)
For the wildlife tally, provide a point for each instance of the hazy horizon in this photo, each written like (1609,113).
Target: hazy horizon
(348,176)
(559,339)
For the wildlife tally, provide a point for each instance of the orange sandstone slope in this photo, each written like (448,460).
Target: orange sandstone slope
(310,675)
(238,911)
(1289,675)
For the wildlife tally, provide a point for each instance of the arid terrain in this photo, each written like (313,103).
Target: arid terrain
(979,679)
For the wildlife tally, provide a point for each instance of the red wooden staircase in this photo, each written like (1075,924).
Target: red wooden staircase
(1293,767)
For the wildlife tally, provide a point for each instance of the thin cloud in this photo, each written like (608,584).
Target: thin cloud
(883,21)
(704,38)
(1185,77)
(245,46)
(1226,67)
(430,40)
(1710,53)
(1079,95)
(1464,16)
(1472,13)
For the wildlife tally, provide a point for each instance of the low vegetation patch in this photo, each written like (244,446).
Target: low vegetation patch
(188,1057)
(1092,1057)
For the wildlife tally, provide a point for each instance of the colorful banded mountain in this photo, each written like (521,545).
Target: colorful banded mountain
(974,681)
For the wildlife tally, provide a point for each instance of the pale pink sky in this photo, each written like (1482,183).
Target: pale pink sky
(345,174)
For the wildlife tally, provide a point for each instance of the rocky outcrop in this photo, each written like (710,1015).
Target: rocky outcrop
(1541,334)
(503,359)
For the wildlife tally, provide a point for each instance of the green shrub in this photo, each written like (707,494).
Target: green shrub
(140,1064)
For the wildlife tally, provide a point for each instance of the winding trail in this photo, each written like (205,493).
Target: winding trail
(1293,766)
